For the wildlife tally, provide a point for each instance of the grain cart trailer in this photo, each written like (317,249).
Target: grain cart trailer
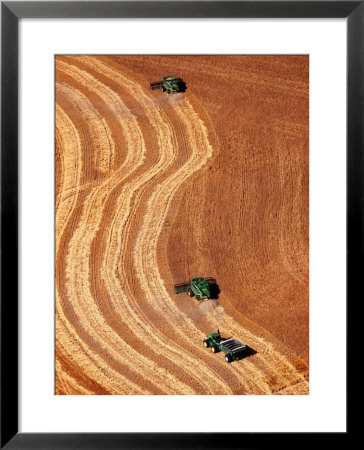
(198,286)
(233,349)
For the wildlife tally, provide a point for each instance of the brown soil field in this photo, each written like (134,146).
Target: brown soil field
(152,189)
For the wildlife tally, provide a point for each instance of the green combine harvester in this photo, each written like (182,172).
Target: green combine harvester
(198,286)
(232,348)
(170,84)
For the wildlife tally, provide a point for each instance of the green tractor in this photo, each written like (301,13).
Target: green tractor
(170,84)
(198,286)
(232,348)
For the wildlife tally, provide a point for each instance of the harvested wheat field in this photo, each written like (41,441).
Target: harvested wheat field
(153,189)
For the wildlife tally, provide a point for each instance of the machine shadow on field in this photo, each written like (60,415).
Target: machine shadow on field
(214,292)
(248,352)
(182,86)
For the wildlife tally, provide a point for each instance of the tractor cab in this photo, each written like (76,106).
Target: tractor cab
(215,337)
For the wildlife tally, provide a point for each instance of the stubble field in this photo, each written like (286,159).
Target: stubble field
(152,189)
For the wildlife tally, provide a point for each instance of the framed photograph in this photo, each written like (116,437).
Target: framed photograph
(181,221)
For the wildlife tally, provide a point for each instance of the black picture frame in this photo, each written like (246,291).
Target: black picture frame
(11,12)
